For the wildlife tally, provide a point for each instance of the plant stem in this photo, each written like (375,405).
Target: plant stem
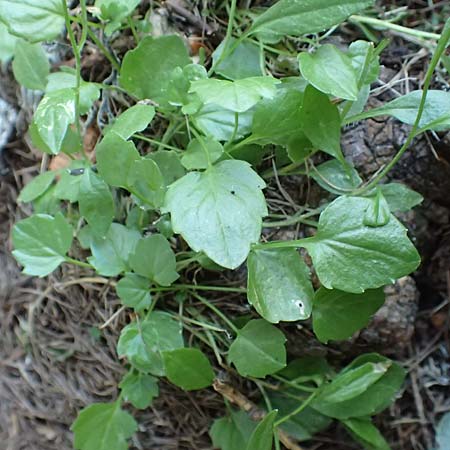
(393,26)
(195,287)
(216,311)
(441,46)
(104,50)
(296,218)
(76,262)
(155,142)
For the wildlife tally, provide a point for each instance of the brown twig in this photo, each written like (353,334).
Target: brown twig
(239,399)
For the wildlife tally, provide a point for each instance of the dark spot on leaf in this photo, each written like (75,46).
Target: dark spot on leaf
(232,192)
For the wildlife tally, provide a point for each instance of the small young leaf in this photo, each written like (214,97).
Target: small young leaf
(366,433)
(115,159)
(154,259)
(143,342)
(232,432)
(359,51)
(378,213)
(139,389)
(96,202)
(200,154)
(363,257)
(55,113)
(374,399)
(188,368)
(219,211)
(337,314)
(67,78)
(31,20)
(258,349)
(334,177)
(242,62)
(237,96)
(340,82)
(399,197)
(279,285)
(30,66)
(134,119)
(36,187)
(110,253)
(352,383)
(145,70)
(134,292)
(103,426)
(262,436)
(321,123)
(41,243)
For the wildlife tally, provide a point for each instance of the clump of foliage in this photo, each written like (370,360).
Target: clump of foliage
(129,209)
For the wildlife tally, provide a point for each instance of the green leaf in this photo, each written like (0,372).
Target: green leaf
(146,182)
(55,113)
(67,78)
(134,119)
(399,197)
(366,434)
(232,432)
(359,52)
(8,46)
(34,21)
(115,159)
(337,314)
(219,211)
(200,154)
(134,291)
(30,66)
(110,253)
(278,120)
(242,62)
(36,187)
(68,185)
(145,70)
(377,397)
(169,164)
(291,17)
(103,426)
(262,436)
(116,10)
(139,389)
(220,123)
(330,71)
(436,113)
(334,177)
(363,257)
(188,368)
(258,349)
(279,285)
(153,258)
(41,243)
(352,383)
(143,342)
(321,123)
(378,212)
(443,433)
(237,96)
(96,202)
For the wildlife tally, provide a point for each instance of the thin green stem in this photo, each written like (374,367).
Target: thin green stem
(195,287)
(384,24)
(297,410)
(441,46)
(216,311)
(296,218)
(133,30)
(155,142)
(76,262)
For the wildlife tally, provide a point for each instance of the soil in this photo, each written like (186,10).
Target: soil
(53,361)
